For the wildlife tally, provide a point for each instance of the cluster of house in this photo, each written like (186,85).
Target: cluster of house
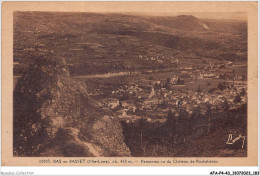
(212,71)
(158,58)
(154,103)
(152,99)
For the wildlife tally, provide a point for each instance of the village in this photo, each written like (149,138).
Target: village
(213,86)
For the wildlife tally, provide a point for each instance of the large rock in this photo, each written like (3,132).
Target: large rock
(53,116)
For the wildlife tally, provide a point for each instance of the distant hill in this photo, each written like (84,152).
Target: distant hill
(191,23)
(112,42)
(183,22)
(227,26)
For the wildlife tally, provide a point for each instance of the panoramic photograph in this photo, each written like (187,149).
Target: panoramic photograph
(129,84)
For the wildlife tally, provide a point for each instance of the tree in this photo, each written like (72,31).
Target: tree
(237,98)
(243,92)
(184,124)
(171,123)
(197,112)
(225,105)
(221,86)
(208,116)
(142,125)
(208,111)
(170,114)
(199,90)
(168,80)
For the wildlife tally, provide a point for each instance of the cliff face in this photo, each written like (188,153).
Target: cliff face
(53,116)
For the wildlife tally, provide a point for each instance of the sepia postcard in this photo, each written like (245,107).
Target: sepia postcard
(129,84)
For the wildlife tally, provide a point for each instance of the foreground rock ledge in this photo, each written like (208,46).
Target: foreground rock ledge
(53,116)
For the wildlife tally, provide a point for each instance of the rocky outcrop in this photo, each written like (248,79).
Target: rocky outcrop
(53,116)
